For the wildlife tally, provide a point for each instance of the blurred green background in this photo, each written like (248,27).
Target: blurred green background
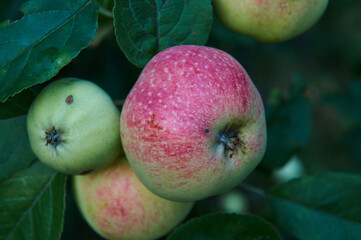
(311,86)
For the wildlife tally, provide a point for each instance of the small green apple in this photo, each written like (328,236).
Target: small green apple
(269,21)
(73,126)
(118,206)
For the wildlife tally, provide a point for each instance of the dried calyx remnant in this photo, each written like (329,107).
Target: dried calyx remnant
(231,141)
(53,137)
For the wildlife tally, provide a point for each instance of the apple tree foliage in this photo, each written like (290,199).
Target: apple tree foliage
(310,86)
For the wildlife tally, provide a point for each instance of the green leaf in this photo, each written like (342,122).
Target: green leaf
(225,226)
(32,204)
(16,153)
(17,105)
(34,48)
(347,101)
(227,38)
(352,140)
(144,28)
(325,206)
(10,10)
(288,125)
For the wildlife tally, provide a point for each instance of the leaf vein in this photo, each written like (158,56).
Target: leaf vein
(313,210)
(32,204)
(51,31)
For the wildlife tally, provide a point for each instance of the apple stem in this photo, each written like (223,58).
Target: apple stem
(119,103)
(254,189)
(52,137)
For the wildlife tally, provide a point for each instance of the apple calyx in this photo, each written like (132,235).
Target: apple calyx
(230,141)
(52,137)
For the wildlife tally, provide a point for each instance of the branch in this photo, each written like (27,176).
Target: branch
(253,189)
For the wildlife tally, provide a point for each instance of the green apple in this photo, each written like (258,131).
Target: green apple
(118,206)
(73,126)
(269,21)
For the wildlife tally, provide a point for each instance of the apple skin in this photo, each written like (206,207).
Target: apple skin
(269,20)
(118,206)
(85,136)
(176,119)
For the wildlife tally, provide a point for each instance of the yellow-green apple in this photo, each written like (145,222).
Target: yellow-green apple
(73,126)
(118,206)
(269,20)
(193,125)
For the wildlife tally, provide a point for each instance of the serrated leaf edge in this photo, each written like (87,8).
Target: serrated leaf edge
(38,41)
(277,187)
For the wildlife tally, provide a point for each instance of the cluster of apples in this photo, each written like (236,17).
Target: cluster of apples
(193,126)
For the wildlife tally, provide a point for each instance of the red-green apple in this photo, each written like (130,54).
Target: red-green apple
(269,20)
(73,126)
(118,206)
(193,125)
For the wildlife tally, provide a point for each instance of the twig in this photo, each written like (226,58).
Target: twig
(105,12)
(253,189)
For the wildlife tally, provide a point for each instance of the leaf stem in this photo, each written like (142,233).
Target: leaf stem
(254,189)
(105,12)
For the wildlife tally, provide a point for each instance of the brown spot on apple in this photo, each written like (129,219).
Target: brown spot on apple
(152,123)
(69,99)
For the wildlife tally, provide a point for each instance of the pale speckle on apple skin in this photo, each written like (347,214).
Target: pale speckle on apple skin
(207,85)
